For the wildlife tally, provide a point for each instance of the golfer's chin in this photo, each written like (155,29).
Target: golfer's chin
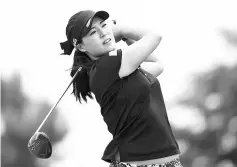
(109,49)
(105,50)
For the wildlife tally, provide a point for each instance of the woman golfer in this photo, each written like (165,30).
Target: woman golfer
(126,89)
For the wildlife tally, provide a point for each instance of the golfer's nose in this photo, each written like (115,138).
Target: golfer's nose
(102,33)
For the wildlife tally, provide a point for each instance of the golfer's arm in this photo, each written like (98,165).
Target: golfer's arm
(151,64)
(154,68)
(151,58)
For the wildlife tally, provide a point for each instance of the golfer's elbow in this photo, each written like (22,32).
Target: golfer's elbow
(158,38)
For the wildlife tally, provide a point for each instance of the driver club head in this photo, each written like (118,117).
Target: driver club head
(40,146)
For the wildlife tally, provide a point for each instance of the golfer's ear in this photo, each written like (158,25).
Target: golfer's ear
(80,47)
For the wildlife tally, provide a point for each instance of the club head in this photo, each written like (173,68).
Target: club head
(40,146)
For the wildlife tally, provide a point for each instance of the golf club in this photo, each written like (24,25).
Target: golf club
(39,144)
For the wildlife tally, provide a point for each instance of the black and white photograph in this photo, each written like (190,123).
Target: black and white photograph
(118,83)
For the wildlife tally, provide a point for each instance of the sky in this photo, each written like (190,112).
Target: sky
(191,42)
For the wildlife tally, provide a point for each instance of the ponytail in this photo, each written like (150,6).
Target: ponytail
(81,87)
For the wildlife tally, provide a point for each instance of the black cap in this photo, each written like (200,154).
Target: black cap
(78,26)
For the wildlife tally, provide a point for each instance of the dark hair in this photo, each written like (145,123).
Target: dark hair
(75,30)
(81,87)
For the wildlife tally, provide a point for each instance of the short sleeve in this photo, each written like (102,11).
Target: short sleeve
(109,65)
(107,71)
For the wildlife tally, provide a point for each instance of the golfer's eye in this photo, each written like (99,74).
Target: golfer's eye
(93,32)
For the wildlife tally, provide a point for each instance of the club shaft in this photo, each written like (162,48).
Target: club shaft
(57,102)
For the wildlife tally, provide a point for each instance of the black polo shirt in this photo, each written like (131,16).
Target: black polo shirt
(134,111)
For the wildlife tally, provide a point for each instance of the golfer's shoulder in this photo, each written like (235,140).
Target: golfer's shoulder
(113,53)
(110,60)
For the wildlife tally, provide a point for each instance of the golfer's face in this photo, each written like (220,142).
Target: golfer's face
(100,38)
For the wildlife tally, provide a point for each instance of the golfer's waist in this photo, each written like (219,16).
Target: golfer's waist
(155,161)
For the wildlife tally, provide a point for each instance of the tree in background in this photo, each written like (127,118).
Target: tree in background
(21,117)
(215,98)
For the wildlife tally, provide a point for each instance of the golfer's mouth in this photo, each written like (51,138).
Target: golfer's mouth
(107,41)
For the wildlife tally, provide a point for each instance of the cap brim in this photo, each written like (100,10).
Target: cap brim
(101,14)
